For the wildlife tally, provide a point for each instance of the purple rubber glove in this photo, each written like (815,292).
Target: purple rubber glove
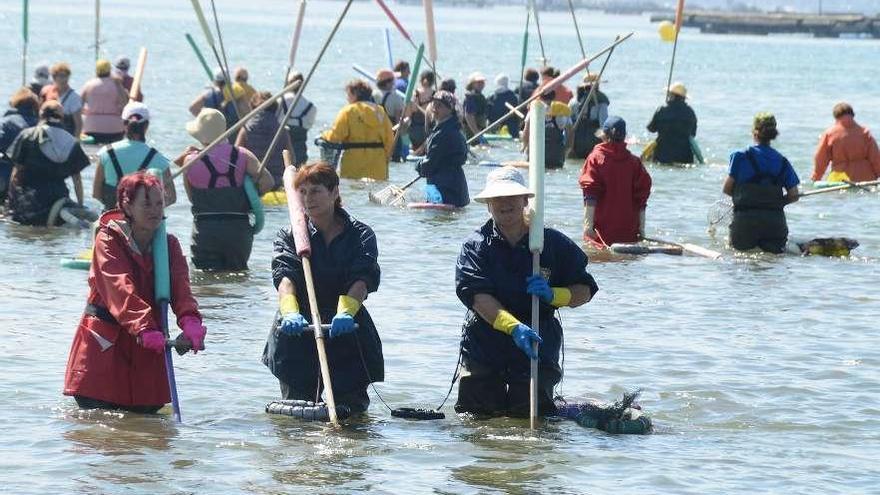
(153,340)
(194,331)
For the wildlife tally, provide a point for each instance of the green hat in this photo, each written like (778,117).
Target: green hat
(764,120)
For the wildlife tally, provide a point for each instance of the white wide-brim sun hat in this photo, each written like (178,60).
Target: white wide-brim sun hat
(503,182)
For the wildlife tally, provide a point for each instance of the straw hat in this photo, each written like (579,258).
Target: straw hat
(591,78)
(208,125)
(678,89)
(503,182)
(476,77)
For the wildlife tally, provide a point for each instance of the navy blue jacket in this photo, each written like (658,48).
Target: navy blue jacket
(497,109)
(675,123)
(488,264)
(351,256)
(445,156)
(13,122)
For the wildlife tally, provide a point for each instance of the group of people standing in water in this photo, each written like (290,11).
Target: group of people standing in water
(115,360)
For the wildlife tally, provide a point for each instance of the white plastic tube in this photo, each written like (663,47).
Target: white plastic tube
(537,115)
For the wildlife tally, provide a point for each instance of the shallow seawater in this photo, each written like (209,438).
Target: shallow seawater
(760,372)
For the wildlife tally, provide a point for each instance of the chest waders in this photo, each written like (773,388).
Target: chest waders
(222,236)
(758,217)
(554,145)
(108,192)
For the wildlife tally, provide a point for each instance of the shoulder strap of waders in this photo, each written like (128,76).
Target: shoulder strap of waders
(755,168)
(303,114)
(66,95)
(233,162)
(147,159)
(385,100)
(114,160)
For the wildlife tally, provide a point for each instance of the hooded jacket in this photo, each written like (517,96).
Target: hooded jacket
(364,130)
(850,148)
(619,184)
(442,166)
(106,362)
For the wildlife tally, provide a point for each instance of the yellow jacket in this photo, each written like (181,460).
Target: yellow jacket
(363,123)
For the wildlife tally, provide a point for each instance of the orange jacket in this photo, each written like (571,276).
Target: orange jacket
(850,149)
(562,94)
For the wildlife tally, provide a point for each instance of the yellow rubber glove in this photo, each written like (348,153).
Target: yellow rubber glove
(505,322)
(561,297)
(288,304)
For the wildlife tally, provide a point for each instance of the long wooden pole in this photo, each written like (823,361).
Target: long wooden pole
(209,37)
(138,75)
(568,74)
(592,94)
(294,41)
(302,87)
(300,230)
(225,64)
(404,32)
(534,8)
(537,114)
(525,52)
(679,13)
(25,12)
(97,29)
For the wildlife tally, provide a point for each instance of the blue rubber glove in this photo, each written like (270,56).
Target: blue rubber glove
(342,324)
(293,324)
(432,194)
(524,336)
(538,286)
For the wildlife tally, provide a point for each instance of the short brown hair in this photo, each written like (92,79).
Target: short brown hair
(360,89)
(261,96)
(51,110)
(401,66)
(59,68)
(24,98)
(320,173)
(841,109)
(550,72)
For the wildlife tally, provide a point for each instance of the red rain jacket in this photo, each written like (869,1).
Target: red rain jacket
(620,185)
(106,362)
(850,148)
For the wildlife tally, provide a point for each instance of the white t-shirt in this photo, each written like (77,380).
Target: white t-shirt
(71,102)
(303,114)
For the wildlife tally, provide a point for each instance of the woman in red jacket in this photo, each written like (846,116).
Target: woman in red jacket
(616,187)
(116,360)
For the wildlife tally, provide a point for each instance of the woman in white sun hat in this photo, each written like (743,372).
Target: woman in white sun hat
(493,279)
(222,236)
